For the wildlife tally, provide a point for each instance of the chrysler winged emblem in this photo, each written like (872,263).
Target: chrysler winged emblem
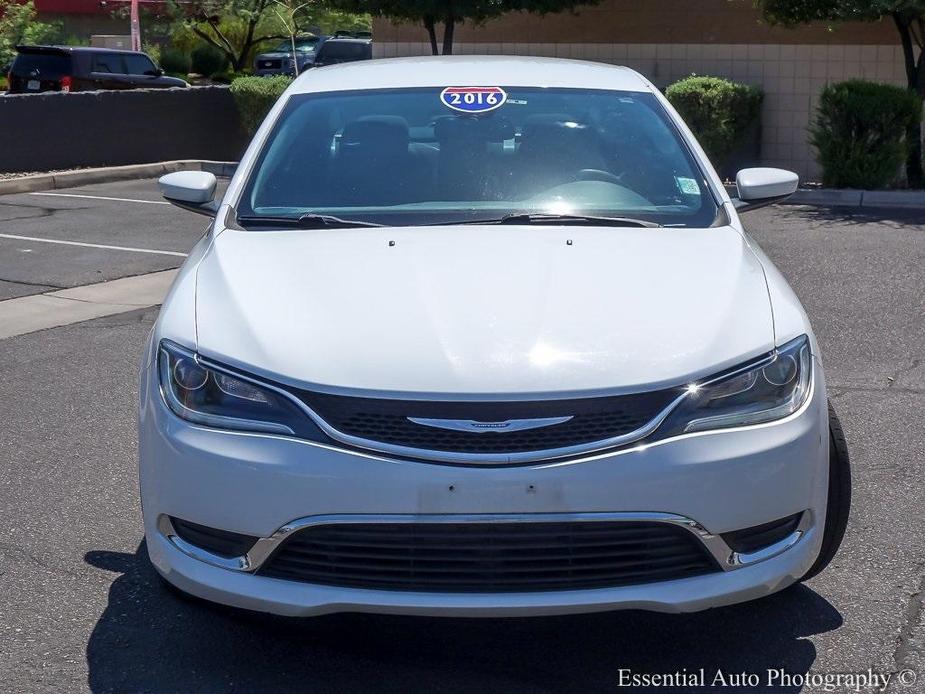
(476,427)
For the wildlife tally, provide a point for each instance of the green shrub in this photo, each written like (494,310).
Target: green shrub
(718,111)
(861,132)
(175,61)
(223,77)
(154,52)
(255,96)
(207,60)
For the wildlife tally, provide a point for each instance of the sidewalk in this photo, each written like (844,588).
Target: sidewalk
(28,314)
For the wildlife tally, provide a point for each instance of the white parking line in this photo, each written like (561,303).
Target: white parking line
(92,245)
(102,197)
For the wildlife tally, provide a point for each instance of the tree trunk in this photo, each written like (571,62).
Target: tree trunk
(241,62)
(449,27)
(432,34)
(914,173)
(295,56)
(232,57)
(915,80)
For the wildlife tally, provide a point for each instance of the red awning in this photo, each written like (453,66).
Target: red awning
(84,6)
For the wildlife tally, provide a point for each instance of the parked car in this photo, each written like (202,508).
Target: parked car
(279,61)
(81,69)
(346,34)
(343,51)
(511,352)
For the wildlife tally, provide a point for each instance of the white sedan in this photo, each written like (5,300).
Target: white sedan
(483,336)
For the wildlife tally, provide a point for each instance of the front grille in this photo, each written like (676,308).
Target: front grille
(270,64)
(489,557)
(386,421)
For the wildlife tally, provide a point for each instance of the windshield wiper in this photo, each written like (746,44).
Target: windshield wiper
(567,219)
(305,221)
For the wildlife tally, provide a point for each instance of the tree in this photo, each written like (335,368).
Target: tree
(909,18)
(235,27)
(428,13)
(238,27)
(18,25)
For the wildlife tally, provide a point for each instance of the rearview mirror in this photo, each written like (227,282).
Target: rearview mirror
(191,190)
(763,186)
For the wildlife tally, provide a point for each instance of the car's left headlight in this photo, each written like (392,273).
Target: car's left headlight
(214,397)
(761,391)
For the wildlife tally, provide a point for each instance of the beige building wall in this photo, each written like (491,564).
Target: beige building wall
(708,37)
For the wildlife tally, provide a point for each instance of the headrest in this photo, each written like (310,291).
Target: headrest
(554,126)
(456,130)
(375,135)
(557,133)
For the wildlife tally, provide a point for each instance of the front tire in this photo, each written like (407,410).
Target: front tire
(838,504)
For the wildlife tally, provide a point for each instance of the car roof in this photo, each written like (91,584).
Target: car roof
(469,70)
(74,49)
(347,39)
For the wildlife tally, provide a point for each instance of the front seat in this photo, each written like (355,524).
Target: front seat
(373,165)
(554,148)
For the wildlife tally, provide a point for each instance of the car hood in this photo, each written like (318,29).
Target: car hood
(482,310)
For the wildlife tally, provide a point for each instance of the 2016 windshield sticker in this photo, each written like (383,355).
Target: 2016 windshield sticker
(473,99)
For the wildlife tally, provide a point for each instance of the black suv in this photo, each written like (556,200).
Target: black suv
(343,51)
(79,69)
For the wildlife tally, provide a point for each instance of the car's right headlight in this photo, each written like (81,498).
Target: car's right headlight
(762,391)
(218,398)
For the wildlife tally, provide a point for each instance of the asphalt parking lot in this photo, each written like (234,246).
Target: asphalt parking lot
(80,608)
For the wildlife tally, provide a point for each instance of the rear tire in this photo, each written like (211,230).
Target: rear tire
(838,504)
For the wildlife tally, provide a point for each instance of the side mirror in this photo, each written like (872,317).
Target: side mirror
(763,186)
(191,190)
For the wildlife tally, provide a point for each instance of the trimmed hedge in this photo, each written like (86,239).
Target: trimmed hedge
(206,60)
(175,61)
(718,111)
(861,133)
(255,96)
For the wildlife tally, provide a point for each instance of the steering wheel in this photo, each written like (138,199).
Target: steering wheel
(596,175)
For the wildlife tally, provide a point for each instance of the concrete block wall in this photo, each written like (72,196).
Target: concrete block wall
(52,130)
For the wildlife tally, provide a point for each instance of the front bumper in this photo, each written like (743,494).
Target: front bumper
(258,484)
(274,71)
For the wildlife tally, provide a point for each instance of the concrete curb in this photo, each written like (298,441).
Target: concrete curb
(108,174)
(828,197)
(907,199)
(28,314)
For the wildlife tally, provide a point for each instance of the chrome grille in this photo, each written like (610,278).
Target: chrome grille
(489,557)
(388,422)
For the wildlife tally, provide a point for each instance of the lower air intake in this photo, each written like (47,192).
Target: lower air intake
(489,557)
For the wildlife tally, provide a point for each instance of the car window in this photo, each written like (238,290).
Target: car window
(47,65)
(339,50)
(108,62)
(301,45)
(137,64)
(404,156)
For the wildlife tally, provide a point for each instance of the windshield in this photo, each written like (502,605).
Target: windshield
(301,45)
(414,156)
